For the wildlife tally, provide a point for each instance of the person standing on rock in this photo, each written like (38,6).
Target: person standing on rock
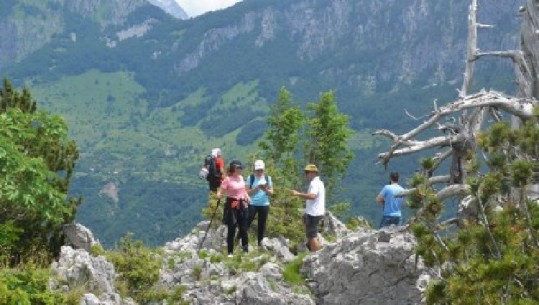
(216,170)
(390,201)
(315,202)
(260,188)
(236,209)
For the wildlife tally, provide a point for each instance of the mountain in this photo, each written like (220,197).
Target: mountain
(147,95)
(171,7)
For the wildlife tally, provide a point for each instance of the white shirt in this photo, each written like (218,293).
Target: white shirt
(316,206)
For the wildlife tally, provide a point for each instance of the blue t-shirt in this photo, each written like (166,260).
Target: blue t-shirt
(259,198)
(392,204)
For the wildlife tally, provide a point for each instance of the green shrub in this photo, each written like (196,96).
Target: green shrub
(138,268)
(291,271)
(27,286)
(197,272)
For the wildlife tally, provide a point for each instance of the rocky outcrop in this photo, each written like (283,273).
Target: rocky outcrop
(209,277)
(215,240)
(359,267)
(368,267)
(79,237)
(77,268)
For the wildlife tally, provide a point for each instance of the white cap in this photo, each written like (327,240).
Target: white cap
(259,164)
(216,152)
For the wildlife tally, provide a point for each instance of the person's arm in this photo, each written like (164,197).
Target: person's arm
(380,198)
(247,198)
(251,191)
(221,165)
(311,193)
(222,189)
(309,196)
(220,192)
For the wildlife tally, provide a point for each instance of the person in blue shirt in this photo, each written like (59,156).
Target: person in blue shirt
(391,203)
(259,187)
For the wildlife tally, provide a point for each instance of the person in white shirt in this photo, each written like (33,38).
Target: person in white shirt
(315,206)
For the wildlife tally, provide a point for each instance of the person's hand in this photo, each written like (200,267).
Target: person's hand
(219,195)
(294,192)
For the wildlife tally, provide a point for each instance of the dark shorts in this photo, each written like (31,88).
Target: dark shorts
(311,225)
(389,220)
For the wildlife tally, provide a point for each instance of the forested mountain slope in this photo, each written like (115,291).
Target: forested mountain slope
(146,95)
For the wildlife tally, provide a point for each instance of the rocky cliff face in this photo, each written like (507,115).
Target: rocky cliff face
(361,267)
(415,37)
(28,26)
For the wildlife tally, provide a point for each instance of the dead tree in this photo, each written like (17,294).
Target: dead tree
(467,115)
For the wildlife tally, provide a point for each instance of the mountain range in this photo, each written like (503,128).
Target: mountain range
(147,95)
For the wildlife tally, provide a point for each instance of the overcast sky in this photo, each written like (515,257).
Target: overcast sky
(197,7)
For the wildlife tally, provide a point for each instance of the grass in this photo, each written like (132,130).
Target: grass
(291,272)
(118,131)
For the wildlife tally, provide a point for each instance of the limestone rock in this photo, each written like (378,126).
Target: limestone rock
(77,268)
(368,267)
(79,236)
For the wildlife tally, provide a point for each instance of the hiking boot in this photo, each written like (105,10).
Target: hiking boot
(245,249)
(230,255)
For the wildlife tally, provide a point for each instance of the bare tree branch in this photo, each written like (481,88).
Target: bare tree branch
(432,180)
(439,158)
(386,133)
(471,50)
(422,145)
(460,190)
(521,107)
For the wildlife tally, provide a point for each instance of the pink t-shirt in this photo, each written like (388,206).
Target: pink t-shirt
(235,187)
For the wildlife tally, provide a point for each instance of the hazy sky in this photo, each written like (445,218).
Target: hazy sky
(197,7)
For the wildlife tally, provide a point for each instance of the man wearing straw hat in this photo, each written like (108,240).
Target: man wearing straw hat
(315,201)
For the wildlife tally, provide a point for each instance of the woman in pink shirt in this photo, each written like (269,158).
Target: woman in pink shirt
(236,205)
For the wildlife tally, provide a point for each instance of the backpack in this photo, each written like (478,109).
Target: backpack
(252,180)
(211,165)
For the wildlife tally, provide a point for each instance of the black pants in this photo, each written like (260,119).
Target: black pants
(214,184)
(236,218)
(262,212)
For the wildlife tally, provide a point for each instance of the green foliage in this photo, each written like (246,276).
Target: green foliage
(197,272)
(490,259)
(282,137)
(326,142)
(36,164)
(138,268)
(27,285)
(291,272)
(356,222)
(324,139)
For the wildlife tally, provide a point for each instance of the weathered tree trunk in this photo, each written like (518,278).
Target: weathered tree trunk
(470,110)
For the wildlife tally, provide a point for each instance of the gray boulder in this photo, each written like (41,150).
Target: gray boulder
(78,236)
(77,268)
(368,267)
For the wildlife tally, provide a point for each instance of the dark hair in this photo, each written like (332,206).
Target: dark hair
(233,166)
(394,176)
